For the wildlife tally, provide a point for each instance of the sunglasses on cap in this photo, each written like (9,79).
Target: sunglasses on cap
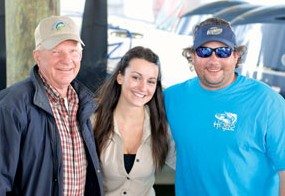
(221,52)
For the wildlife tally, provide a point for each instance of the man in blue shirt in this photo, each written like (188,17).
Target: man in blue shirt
(229,130)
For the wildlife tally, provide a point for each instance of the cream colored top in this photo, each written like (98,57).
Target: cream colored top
(140,180)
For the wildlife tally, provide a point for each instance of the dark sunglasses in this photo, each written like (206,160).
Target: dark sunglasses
(221,52)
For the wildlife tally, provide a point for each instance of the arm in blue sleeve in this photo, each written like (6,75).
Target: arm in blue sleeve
(275,138)
(9,148)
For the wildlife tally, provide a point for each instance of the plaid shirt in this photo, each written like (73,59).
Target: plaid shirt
(73,152)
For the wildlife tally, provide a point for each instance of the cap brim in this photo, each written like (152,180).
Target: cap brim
(218,39)
(54,41)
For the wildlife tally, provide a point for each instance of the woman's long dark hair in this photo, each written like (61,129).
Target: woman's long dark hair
(107,99)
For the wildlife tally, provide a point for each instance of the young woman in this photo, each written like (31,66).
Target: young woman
(130,125)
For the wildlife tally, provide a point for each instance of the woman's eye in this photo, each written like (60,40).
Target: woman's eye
(152,82)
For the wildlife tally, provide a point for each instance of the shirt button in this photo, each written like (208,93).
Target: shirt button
(128,178)
(98,170)
(138,160)
(124,192)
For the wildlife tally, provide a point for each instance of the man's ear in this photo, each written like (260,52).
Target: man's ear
(192,57)
(237,55)
(36,56)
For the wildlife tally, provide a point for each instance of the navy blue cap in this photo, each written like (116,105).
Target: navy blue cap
(218,33)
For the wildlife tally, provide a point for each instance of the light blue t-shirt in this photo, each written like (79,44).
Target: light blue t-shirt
(229,141)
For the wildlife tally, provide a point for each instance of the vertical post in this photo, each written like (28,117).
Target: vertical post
(22,17)
(94,35)
(2,46)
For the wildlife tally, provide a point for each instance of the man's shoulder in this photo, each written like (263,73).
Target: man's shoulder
(17,91)
(82,89)
(259,89)
(86,96)
(255,84)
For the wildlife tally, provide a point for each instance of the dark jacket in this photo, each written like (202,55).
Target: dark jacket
(30,152)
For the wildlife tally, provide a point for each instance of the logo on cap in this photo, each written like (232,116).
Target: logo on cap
(59,25)
(214,31)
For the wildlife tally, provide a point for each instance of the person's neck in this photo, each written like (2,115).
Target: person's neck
(130,122)
(62,92)
(129,113)
(219,86)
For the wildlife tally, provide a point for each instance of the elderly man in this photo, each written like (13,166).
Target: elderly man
(46,143)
